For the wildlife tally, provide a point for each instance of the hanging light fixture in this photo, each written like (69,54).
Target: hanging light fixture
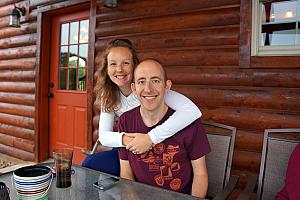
(110,3)
(14,17)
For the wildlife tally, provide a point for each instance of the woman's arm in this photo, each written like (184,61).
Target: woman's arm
(107,136)
(186,112)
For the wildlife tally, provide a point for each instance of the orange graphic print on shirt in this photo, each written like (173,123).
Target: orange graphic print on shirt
(175,184)
(161,160)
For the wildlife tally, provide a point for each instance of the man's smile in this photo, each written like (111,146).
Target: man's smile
(149,97)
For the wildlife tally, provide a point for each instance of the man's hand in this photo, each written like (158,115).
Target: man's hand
(140,144)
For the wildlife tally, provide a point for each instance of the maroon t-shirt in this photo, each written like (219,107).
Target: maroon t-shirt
(167,164)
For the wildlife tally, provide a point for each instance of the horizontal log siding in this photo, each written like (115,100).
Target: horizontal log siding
(18,64)
(16,152)
(199,42)
(15,109)
(150,8)
(210,36)
(17,80)
(286,99)
(18,52)
(273,78)
(17,131)
(23,144)
(174,21)
(17,98)
(17,41)
(26,28)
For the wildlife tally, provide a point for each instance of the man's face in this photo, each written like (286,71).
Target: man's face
(149,85)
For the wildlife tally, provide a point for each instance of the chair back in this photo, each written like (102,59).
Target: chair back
(275,156)
(218,162)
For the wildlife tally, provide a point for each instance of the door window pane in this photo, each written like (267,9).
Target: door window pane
(74,33)
(83,55)
(84,31)
(63,56)
(72,79)
(64,32)
(81,79)
(73,59)
(62,79)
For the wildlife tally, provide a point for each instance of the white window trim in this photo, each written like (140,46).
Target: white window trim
(267,50)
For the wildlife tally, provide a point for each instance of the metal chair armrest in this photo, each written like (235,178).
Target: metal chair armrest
(249,189)
(88,152)
(228,188)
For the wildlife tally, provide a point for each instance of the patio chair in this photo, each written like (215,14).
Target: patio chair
(218,162)
(98,147)
(277,147)
(88,152)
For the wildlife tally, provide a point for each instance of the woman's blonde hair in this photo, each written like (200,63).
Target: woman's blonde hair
(107,92)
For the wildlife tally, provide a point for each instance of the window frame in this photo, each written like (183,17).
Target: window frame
(256,50)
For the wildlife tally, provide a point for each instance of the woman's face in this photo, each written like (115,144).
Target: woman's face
(120,66)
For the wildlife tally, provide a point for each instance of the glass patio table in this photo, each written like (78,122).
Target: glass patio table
(82,188)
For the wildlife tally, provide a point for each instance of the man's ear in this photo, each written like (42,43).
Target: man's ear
(133,87)
(168,84)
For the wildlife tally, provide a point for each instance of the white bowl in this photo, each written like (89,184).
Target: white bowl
(32,182)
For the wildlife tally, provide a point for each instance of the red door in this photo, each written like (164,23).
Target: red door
(68,75)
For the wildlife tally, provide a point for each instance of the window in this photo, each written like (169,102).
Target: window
(275,27)
(73,55)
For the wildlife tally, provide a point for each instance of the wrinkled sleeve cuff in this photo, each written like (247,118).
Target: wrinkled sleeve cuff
(153,137)
(120,139)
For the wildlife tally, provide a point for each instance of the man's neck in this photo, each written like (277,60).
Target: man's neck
(151,118)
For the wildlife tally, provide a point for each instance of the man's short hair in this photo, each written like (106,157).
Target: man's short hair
(157,62)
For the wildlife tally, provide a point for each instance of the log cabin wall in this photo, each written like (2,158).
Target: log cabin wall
(17,80)
(205,46)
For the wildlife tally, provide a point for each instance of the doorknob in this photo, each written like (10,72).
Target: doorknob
(50,94)
(51,85)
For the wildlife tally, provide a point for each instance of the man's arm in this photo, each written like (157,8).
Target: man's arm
(125,170)
(200,180)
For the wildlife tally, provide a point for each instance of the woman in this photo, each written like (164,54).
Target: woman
(115,96)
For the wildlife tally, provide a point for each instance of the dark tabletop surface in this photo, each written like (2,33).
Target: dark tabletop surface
(82,188)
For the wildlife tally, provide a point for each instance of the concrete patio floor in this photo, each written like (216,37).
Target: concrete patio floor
(8,163)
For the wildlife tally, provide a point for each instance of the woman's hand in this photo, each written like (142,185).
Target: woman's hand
(126,139)
(141,143)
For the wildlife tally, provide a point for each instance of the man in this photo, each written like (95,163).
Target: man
(291,189)
(178,163)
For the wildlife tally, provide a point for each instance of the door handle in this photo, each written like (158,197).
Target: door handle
(50,94)
(51,85)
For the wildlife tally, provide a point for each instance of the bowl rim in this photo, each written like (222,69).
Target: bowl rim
(31,179)
(17,172)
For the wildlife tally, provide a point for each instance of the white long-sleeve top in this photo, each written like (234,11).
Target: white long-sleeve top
(185,113)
